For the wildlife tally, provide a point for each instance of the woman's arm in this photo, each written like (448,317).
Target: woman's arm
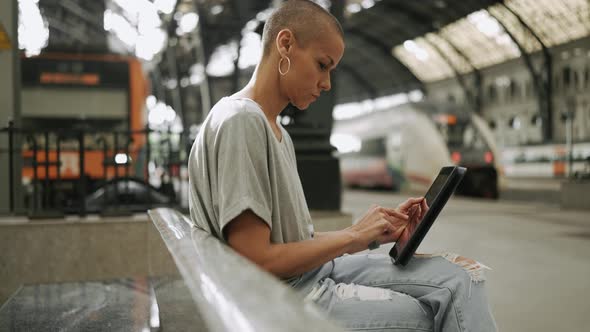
(318,235)
(249,235)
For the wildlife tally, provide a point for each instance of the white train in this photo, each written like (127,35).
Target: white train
(405,147)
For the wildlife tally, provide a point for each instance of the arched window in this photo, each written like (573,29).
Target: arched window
(492,124)
(451,98)
(514,89)
(514,122)
(492,93)
(567,77)
(536,120)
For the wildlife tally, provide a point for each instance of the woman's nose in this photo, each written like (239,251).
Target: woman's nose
(325,84)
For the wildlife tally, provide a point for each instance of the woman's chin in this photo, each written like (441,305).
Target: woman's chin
(303,106)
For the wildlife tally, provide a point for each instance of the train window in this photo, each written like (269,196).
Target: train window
(492,124)
(576,80)
(461,134)
(373,147)
(587,76)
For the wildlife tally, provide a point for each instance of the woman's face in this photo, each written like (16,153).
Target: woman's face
(311,65)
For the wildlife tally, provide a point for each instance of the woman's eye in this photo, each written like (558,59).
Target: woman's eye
(322,66)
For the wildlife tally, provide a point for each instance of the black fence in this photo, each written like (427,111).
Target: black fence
(82,172)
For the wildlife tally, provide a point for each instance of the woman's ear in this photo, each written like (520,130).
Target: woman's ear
(284,41)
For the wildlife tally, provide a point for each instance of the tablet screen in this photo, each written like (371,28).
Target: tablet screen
(430,196)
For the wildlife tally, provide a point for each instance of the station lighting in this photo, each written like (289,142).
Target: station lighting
(217,9)
(121,159)
(197,74)
(150,101)
(250,50)
(326,4)
(184,82)
(33,31)
(159,113)
(188,22)
(368,3)
(224,56)
(138,26)
(488,157)
(222,60)
(353,8)
(120,27)
(165,6)
(149,45)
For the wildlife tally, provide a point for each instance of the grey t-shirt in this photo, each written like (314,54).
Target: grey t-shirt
(237,163)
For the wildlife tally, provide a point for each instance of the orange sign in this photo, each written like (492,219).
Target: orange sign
(4,40)
(67,78)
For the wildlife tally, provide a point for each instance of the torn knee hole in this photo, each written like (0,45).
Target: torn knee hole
(474,268)
(364,293)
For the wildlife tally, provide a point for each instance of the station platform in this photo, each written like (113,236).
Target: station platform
(547,190)
(539,255)
(538,252)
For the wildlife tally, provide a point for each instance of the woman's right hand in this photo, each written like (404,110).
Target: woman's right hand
(379,224)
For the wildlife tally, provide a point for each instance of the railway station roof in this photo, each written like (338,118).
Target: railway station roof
(392,45)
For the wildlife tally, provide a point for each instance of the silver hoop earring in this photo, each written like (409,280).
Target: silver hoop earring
(288,66)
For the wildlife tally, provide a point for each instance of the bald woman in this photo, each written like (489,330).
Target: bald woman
(245,190)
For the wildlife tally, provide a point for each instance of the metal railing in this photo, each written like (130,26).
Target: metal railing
(83,171)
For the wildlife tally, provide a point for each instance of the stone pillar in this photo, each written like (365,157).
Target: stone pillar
(9,101)
(318,168)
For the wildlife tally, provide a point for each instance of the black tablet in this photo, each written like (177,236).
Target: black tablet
(437,196)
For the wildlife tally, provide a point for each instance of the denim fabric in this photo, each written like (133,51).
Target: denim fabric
(428,294)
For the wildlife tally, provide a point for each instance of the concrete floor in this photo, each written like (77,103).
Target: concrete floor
(540,256)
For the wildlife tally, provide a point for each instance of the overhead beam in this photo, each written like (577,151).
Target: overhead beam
(363,82)
(426,20)
(67,30)
(536,77)
(383,48)
(544,86)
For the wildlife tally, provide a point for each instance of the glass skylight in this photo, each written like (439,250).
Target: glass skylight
(481,38)
(423,60)
(556,22)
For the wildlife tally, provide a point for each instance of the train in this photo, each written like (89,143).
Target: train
(82,118)
(404,147)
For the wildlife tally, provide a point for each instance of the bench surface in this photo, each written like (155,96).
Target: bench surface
(231,293)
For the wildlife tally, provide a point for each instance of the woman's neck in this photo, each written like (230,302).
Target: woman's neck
(263,88)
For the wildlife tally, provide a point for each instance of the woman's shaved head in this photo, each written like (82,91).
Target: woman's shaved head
(306,19)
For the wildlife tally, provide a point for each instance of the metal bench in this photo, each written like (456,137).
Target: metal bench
(230,292)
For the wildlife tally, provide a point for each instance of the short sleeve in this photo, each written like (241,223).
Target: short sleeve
(242,168)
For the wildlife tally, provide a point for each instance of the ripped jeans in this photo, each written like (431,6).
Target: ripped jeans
(431,293)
